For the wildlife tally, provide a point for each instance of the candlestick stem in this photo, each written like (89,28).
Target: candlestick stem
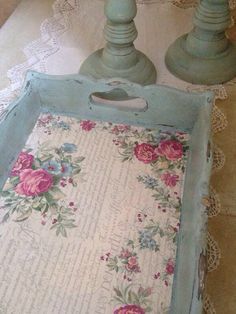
(119,58)
(205,55)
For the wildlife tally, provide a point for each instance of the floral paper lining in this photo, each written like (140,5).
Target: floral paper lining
(111,190)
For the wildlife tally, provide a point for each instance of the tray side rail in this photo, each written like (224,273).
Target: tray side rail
(71,95)
(16,123)
(191,264)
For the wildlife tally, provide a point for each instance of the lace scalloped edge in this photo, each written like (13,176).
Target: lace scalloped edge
(213,203)
(213,253)
(208,305)
(39,50)
(218,159)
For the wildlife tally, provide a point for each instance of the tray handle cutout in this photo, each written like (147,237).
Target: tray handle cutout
(118,99)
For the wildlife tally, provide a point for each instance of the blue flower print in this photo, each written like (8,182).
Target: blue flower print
(146,240)
(149,182)
(66,169)
(52,167)
(69,148)
(63,125)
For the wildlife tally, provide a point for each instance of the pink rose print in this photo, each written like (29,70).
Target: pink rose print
(24,161)
(171,149)
(130,309)
(87,125)
(120,129)
(133,265)
(34,182)
(125,253)
(170,179)
(145,152)
(170,267)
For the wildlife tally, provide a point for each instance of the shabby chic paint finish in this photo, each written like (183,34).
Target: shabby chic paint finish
(71,95)
(119,58)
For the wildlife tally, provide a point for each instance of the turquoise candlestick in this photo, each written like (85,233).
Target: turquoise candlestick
(119,58)
(205,55)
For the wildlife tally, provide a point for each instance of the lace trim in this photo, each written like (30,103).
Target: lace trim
(232,4)
(219,121)
(218,159)
(185,4)
(214,205)
(213,253)
(219,90)
(208,305)
(39,50)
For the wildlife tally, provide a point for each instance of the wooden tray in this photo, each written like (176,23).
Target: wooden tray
(112,104)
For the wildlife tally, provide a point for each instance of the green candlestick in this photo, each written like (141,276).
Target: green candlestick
(119,58)
(205,55)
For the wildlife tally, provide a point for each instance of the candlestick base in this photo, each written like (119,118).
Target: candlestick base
(198,69)
(142,72)
(119,58)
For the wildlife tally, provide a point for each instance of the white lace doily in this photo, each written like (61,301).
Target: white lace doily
(218,159)
(208,305)
(214,203)
(213,253)
(38,51)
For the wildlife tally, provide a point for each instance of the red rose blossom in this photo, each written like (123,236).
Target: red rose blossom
(130,309)
(133,264)
(169,179)
(170,267)
(125,253)
(171,149)
(24,161)
(34,182)
(145,152)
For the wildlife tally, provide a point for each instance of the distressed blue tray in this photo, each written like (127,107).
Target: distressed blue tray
(71,95)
